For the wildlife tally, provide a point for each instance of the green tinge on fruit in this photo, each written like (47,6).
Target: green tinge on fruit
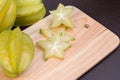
(7,14)
(16,51)
(29,12)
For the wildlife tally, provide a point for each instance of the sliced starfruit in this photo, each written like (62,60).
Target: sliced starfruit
(51,33)
(54,47)
(61,15)
(7,14)
(29,12)
(16,51)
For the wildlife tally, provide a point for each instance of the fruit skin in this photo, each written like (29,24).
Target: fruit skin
(16,52)
(29,12)
(7,14)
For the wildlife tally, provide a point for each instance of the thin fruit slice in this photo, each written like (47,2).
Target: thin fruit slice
(53,47)
(51,33)
(61,16)
(47,32)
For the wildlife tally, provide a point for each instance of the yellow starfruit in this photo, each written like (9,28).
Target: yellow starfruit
(29,12)
(16,51)
(7,14)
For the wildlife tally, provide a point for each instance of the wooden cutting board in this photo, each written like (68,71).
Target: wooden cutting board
(93,43)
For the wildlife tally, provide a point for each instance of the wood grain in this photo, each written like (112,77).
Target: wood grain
(92,44)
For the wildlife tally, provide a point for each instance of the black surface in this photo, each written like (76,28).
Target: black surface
(107,12)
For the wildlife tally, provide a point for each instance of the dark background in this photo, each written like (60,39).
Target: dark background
(107,12)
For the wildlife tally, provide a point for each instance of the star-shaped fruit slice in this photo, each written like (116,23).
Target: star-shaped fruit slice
(61,15)
(54,47)
(51,33)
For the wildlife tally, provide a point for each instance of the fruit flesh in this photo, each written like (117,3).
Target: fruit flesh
(54,47)
(51,33)
(61,16)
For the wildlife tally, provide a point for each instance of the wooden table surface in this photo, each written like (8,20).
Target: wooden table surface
(107,12)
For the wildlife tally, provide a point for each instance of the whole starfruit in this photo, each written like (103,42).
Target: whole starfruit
(16,51)
(29,12)
(7,14)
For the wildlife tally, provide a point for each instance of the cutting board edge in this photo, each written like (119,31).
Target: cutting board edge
(102,59)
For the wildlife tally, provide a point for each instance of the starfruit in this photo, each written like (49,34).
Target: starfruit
(7,14)
(29,12)
(16,51)
(51,33)
(61,15)
(54,47)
